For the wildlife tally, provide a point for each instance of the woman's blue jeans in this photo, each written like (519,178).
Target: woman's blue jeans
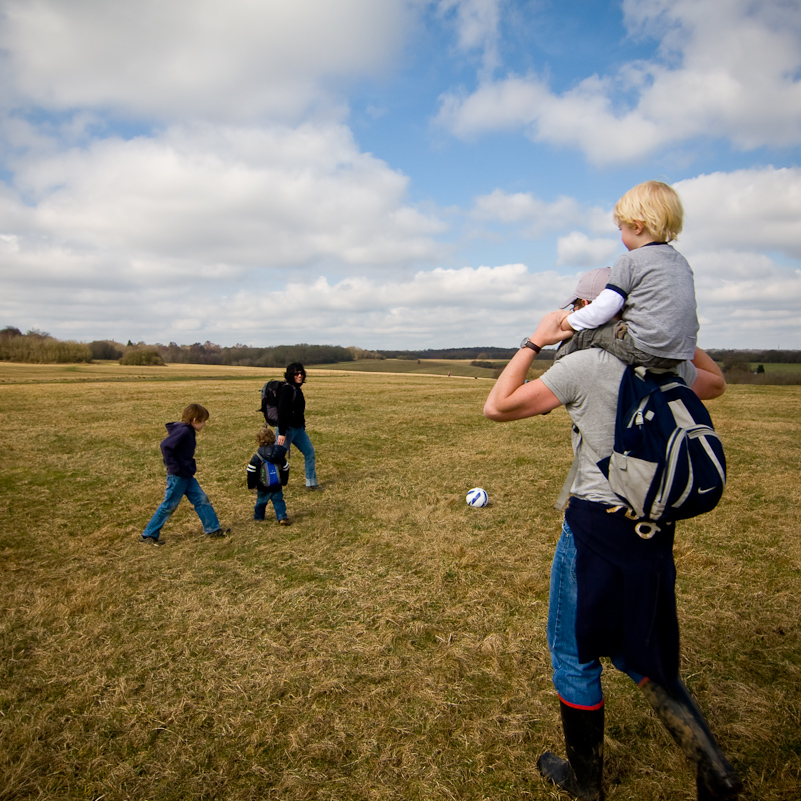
(177,487)
(300,439)
(578,683)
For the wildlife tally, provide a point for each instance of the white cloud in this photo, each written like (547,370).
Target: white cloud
(236,60)
(246,210)
(729,68)
(271,197)
(742,235)
(442,307)
(536,216)
(477,27)
(754,209)
(578,250)
(496,105)
(747,300)
(483,305)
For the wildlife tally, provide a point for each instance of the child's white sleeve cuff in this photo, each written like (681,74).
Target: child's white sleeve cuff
(600,311)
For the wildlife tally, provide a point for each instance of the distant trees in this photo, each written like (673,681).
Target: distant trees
(247,356)
(735,364)
(361,353)
(142,356)
(38,347)
(106,350)
(484,353)
(761,356)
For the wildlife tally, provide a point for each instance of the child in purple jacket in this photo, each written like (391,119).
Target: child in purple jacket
(178,449)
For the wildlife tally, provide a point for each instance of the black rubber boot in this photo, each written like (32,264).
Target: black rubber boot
(581,773)
(716,779)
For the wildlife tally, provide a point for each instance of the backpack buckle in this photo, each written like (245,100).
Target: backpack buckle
(647,529)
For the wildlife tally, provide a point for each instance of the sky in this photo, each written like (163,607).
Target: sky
(400,174)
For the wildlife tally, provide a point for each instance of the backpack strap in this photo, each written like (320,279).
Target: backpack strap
(564,494)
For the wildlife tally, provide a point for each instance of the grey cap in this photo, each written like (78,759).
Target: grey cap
(590,285)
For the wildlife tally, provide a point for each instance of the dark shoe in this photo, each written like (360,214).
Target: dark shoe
(284,521)
(149,540)
(716,779)
(258,519)
(581,773)
(220,532)
(314,488)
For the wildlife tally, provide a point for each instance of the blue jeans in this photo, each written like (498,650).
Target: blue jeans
(263,498)
(578,683)
(177,487)
(300,439)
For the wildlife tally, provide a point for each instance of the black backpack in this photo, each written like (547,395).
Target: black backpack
(269,401)
(668,462)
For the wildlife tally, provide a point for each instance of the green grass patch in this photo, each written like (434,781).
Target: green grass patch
(390,644)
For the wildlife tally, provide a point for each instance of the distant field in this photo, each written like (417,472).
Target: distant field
(771,367)
(422,366)
(112,371)
(464,368)
(390,644)
(442,367)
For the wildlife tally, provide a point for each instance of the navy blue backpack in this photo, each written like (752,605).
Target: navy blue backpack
(668,462)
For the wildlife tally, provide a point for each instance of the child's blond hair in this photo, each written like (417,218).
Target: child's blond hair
(265,437)
(195,412)
(656,206)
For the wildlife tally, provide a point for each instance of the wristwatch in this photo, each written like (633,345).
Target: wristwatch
(527,343)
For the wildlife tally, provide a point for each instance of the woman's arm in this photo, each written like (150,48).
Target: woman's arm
(710,382)
(512,398)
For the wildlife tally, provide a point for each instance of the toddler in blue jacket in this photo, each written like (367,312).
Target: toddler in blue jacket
(268,452)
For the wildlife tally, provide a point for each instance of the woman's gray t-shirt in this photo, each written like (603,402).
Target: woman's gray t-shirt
(587,383)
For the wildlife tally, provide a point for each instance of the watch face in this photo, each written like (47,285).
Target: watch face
(524,343)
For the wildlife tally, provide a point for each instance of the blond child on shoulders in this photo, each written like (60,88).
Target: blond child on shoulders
(652,284)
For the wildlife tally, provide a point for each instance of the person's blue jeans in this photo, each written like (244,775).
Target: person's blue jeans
(578,683)
(300,439)
(177,487)
(263,498)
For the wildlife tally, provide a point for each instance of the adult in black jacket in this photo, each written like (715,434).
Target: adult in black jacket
(291,428)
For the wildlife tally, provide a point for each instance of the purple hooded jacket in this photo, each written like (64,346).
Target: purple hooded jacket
(178,449)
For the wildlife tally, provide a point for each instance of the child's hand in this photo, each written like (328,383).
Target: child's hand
(548,331)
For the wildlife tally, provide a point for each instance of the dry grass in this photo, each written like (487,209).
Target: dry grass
(391,643)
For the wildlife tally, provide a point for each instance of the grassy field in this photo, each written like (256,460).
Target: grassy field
(390,644)
(442,367)
(774,372)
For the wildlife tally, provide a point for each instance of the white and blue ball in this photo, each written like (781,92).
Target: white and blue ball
(477,497)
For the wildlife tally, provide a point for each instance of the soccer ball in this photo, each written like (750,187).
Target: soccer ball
(477,497)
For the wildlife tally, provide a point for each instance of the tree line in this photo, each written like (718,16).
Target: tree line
(761,356)
(37,346)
